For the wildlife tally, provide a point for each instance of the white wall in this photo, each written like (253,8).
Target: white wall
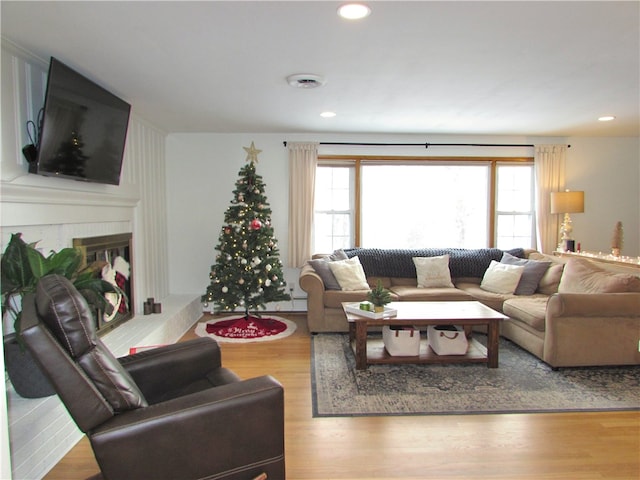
(202,170)
(54,211)
(608,170)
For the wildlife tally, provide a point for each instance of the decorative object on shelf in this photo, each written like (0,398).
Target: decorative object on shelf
(565,203)
(151,306)
(617,240)
(379,296)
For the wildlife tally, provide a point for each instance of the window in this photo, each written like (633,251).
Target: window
(515,218)
(333,211)
(421,206)
(424,203)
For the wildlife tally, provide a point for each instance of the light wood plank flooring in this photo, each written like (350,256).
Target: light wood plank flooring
(534,446)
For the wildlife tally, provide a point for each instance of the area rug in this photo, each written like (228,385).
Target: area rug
(238,329)
(521,384)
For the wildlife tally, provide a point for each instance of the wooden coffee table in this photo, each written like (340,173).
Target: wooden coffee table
(462,313)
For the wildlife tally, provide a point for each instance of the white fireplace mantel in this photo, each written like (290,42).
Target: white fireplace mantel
(53,206)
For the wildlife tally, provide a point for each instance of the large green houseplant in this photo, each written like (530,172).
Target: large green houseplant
(22,266)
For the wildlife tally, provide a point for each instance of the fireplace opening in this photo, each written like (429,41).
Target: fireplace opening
(114,253)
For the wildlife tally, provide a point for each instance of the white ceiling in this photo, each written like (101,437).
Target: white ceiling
(507,68)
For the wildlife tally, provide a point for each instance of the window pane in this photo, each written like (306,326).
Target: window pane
(514,188)
(514,216)
(332,188)
(332,231)
(333,215)
(420,206)
(514,231)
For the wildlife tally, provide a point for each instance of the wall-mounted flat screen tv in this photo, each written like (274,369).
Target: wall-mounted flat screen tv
(84,129)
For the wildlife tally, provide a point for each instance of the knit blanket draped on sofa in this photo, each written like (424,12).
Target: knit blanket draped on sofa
(463,262)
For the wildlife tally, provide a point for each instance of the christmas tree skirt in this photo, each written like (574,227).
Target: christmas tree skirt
(237,328)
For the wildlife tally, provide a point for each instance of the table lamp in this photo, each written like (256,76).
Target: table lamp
(567,202)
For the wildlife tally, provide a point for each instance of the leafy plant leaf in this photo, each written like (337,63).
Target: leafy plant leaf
(66,262)
(16,271)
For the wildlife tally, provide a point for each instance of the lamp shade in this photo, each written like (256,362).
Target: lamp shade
(567,202)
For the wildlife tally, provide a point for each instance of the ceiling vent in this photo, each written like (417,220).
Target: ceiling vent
(306,80)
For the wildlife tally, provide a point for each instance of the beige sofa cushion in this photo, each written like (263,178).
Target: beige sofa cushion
(530,310)
(408,293)
(490,299)
(582,276)
(551,279)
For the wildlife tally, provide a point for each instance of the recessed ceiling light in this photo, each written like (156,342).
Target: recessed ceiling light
(305,80)
(606,118)
(328,114)
(354,11)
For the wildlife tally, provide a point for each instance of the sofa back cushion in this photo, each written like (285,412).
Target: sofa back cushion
(582,276)
(550,281)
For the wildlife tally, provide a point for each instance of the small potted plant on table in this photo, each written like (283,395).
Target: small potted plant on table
(379,297)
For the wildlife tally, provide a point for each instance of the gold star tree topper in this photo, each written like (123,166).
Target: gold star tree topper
(252,153)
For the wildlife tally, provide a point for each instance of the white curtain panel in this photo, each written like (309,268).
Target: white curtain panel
(550,177)
(303,159)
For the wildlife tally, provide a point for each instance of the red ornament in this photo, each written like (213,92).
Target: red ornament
(256,224)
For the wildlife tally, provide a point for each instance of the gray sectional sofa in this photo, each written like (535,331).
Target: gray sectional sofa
(577,315)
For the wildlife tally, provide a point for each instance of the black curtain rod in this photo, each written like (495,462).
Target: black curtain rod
(427,145)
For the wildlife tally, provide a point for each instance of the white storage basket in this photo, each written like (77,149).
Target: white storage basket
(447,339)
(401,341)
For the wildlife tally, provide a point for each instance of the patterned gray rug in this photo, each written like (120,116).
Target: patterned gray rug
(522,384)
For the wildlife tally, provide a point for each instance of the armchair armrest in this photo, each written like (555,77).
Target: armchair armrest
(232,431)
(594,305)
(592,329)
(310,281)
(168,368)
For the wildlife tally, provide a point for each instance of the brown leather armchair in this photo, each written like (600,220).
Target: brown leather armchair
(168,413)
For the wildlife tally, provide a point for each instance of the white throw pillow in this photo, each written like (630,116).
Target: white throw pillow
(433,271)
(350,274)
(501,277)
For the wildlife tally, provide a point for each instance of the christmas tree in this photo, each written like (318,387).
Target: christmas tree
(248,272)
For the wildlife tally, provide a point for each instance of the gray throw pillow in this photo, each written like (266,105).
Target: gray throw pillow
(321,266)
(533,272)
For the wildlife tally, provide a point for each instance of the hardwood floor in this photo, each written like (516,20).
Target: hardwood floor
(555,446)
